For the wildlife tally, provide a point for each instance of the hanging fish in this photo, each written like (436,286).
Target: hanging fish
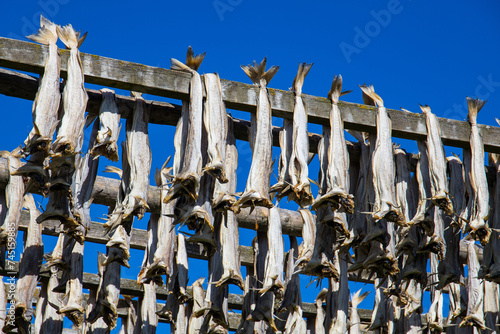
(479,219)
(74,96)
(336,194)
(109,118)
(257,188)
(437,162)
(48,97)
(187,139)
(355,321)
(385,205)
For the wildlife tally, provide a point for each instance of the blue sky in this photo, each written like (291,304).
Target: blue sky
(427,52)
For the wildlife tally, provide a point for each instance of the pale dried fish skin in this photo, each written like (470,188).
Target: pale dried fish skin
(385,205)
(306,248)
(109,118)
(478,222)
(257,188)
(273,278)
(48,97)
(14,192)
(437,162)
(216,125)
(74,97)
(188,172)
(337,177)
(298,167)
(284,185)
(29,267)
(475,313)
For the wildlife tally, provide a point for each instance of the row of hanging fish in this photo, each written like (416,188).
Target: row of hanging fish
(392,220)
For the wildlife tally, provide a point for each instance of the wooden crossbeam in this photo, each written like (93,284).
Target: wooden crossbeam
(26,56)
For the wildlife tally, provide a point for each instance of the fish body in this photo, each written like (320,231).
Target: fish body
(188,137)
(355,321)
(14,192)
(74,96)
(216,124)
(29,266)
(299,171)
(385,205)
(109,118)
(306,248)
(478,222)
(475,292)
(273,278)
(337,177)
(437,162)
(284,185)
(257,188)
(48,97)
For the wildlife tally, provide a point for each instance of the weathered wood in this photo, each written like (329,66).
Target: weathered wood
(26,56)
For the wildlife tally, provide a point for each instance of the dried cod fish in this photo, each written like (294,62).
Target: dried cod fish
(284,185)
(359,220)
(48,96)
(273,277)
(216,125)
(385,205)
(490,306)
(257,188)
(355,321)
(163,257)
(98,327)
(449,268)
(337,178)
(29,268)
(437,162)
(14,192)
(481,210)
(48,304)
(320,312)
(134,184)
(298,170)
(182,270)
(306,248)
(147,320)
(74,96)
(339,296)
(263,313)
(198,303)
(229,231)
(475,312)
(108,293)
(109,118)
(187,140)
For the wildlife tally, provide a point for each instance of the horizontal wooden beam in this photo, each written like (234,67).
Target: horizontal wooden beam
(26,56)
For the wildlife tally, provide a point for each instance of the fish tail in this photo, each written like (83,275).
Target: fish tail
(357,298)
(474,105)
(494,159)
(301,75)
(370,94)
(29,202)
(366,98)
(257,72)
(194,61)
(70,37)
(46,34)
(425,109)
(336,89)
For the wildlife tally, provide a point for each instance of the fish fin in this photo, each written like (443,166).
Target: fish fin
(336,89)
(135,94)
(498,120)
(194,61)
(46,34)
(301,75)
(474,106)
(357,298)
(68,36)
(370,92)
(81,39)
(425,109)
(256,72)
(113,169)
(345,92)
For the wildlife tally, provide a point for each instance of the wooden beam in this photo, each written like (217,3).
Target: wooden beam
(26,56)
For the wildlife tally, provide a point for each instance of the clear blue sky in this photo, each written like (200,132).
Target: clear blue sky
(427,52)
